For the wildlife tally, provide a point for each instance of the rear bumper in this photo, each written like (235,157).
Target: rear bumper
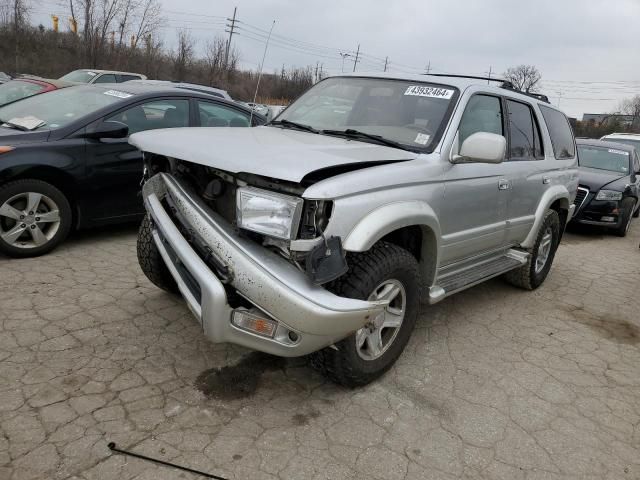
(267,281)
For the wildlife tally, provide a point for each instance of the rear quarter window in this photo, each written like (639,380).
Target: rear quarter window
(564,146)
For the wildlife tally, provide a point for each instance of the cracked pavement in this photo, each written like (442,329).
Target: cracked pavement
(497,383)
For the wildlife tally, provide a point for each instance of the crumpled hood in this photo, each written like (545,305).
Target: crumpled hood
(268,151)
(596,179)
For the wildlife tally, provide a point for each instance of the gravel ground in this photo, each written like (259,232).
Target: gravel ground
(497,383)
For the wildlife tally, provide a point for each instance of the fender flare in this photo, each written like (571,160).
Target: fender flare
(553,194)
(389,218)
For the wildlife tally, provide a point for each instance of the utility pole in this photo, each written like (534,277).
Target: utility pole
(355,62)
(316,73)
(386,62)
(489,75)
(429,67)
(344,55)
(232,30)
(321,66)
(16,30)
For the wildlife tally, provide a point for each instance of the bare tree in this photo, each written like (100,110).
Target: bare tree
(183,56)
(524,77)
(631,106)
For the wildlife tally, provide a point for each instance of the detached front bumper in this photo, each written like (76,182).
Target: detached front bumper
(277,288)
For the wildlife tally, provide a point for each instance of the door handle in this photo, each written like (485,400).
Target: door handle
(546,180)
(504,184)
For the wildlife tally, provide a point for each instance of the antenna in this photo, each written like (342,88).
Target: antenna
(255,95)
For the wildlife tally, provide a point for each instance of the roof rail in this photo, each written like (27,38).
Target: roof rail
(503,84)
(490,79)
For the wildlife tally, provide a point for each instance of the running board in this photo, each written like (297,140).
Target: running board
(468,277)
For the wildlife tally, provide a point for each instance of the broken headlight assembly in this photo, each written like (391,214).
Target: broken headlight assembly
(272,214)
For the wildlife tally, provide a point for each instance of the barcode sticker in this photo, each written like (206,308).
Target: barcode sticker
(619,152)
(433,92)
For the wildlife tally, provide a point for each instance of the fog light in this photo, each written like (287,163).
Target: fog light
(608,219)
(258,324)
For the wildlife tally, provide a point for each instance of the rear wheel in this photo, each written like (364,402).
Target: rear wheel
(627,206)
(150,260)
(35,217)
(531,275)
(386,272)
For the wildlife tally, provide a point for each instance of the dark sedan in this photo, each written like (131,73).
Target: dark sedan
(608,191)
(65,162)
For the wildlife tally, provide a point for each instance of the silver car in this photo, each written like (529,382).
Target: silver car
(321,232)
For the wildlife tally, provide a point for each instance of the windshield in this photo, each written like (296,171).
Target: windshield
(62,107)
(17,90)
(79,76)
(626,141)
(604,158)
(407,112)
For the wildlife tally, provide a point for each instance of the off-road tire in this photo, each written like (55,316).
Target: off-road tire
(627,208)
(17,187)
(526,276)
(384,261)
(150,260)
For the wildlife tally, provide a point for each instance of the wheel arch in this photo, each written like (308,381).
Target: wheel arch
(556,198)
(410,225)
(60,179)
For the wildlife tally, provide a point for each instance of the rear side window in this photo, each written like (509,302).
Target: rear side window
(560,131)
(524,137)
(127,78)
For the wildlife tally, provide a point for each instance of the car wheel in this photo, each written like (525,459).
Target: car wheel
(627,207)
(385,272)
(150,260)
(35,217)
(636,214)
(531,275)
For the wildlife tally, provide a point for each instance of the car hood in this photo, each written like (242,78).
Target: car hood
(268,151)
(596,179)
(10,136)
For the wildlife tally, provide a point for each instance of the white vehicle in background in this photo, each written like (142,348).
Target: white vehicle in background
(101,76)
(632,139)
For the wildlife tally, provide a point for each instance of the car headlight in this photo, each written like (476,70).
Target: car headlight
(609,195)
(267,212)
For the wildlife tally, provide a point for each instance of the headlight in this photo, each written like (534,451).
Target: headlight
(269,213)
(609,195)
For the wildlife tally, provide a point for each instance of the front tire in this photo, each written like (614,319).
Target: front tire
(533,273)
(385,272)
(35,217)
(150,260)
(627,207)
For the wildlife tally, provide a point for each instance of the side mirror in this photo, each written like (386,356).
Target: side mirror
(108,129)
(482,147)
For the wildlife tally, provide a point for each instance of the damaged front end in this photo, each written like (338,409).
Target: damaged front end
(270,212)
(247,287)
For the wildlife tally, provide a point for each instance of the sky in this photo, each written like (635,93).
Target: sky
(586,50)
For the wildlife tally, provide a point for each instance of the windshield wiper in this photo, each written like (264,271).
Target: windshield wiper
(290,124)
(13,125)
(351,133)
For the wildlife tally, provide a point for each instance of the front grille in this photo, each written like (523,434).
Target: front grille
(580,197)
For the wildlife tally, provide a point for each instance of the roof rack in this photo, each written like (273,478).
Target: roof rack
(490,79)
(503,84)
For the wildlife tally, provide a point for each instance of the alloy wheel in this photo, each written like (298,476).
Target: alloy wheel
(375,338)
(29,220)
(544,250)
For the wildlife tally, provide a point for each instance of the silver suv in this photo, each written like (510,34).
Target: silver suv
(321,232)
